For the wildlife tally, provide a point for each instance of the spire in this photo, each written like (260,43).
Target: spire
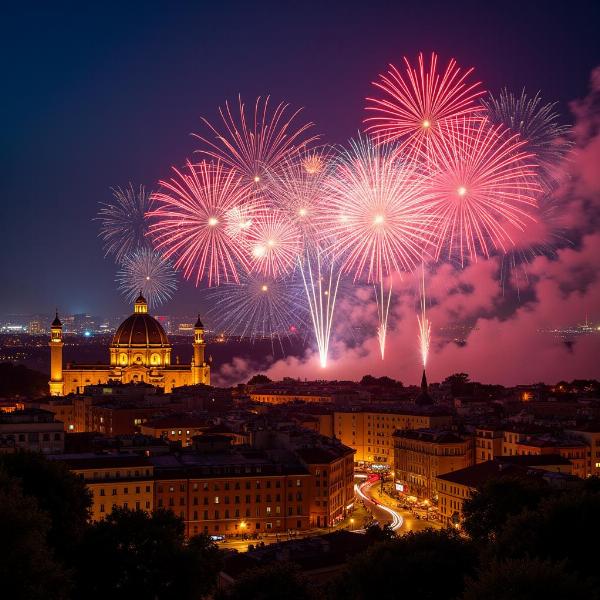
(56,322)
(199,324)
(423,398)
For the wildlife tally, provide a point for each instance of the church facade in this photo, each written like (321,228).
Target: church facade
(139,352)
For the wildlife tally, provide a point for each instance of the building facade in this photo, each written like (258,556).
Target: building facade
(421,456)
(370,433)
(32,429)
(115,481)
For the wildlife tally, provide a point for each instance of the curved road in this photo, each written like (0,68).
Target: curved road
(385,514)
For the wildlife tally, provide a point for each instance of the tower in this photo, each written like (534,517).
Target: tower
(140,306)
(200,370)
(56,345)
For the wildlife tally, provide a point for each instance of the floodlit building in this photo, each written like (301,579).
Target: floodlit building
(421,455)
(124,481)
(371,432)
(139,352)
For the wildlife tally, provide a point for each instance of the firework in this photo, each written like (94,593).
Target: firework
(537,124)
(377,218)
(484,184)
(273,243)
(424,324)
(123,226)
(418,101)
(198,209)
(258,307)
(298,188)
(147,271)
(378,212)
(255,143)
(321,279)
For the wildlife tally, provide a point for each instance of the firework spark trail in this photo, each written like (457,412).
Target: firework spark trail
(258,307)
(484,184)
(148,271)
(255,144)
(321,287)
(197,210)
(274,243)
(124,225)
(424,324)
(538,125)
(418,101)
(383,297)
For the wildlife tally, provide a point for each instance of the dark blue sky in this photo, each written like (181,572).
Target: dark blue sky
(98,95)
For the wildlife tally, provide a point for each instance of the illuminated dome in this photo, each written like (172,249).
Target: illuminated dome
(140,340)
(140,330)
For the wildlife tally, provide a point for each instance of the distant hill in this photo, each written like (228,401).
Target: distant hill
(18,380)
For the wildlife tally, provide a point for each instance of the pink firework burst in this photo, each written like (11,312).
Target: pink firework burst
(418,101)
(196,213)
(298,188)
(484,184)
(274,244)
(377,216)
(254,143)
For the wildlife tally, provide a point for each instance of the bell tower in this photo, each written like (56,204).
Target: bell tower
(56,382)
(200,370)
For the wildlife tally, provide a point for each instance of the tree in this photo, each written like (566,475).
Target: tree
(407,564)
(558,531)
(146,557)
(63,496)
(28,570)
(270,582)
(486,512)
(380,381)
(258,379)
(375,533)
(460,384)
(528,579)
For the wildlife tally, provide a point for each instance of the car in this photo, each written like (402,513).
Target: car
(217,538)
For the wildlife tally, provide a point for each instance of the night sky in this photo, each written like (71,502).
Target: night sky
(97,96)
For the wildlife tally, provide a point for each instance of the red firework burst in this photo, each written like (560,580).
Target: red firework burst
(197,210)
(377,216)
(484,184)
(419,101)
(273,243)
(255,144)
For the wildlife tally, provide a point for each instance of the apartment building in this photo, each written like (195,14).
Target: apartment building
(420,456)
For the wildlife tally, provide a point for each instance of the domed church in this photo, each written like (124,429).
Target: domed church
(139,351)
